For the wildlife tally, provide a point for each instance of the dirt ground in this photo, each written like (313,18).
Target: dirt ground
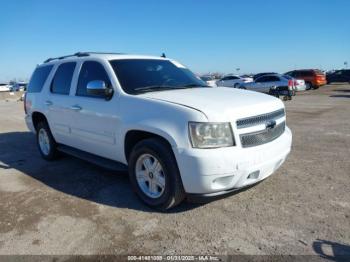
(72,207)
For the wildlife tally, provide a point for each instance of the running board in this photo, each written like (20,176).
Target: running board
(91,158)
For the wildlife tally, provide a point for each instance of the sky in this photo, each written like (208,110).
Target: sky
(206,35)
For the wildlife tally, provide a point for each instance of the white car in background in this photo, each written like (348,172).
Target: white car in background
(232,81)
(298,84)
(211,81)
(247,78)
(19,86)
(4,87)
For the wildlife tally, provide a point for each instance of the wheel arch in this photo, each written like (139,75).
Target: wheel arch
(132,137)
(38,117)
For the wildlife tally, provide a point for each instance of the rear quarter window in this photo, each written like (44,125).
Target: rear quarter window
(62,80)
(38,79)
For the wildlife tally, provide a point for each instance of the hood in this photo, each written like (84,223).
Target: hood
(220,104)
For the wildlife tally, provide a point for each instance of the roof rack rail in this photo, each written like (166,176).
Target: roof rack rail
(102,53)
(80,54)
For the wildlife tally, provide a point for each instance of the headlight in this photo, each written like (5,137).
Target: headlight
(210,135)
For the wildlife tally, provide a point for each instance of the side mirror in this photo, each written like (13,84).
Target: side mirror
(99,87)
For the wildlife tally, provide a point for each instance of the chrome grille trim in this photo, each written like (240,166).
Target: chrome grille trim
(262,137)
(260,119)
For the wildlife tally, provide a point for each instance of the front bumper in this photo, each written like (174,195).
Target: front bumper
(300,87)
(222,170)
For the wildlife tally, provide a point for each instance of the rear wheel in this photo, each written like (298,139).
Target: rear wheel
(46,142)
(308,85)
(236,85)
(154,174)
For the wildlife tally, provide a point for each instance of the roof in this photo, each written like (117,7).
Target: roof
(105,56)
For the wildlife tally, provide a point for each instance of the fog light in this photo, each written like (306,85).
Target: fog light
(254,175)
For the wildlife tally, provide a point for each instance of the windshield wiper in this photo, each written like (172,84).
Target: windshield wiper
(194,85)
(154,88)
(164,88)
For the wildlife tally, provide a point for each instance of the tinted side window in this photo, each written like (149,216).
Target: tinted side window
(62,80)
(293,74)
(91,71)
(263,79)
(274,79)
(38,79)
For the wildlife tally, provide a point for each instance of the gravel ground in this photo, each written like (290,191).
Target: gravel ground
(72,207)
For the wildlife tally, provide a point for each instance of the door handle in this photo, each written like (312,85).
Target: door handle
(48,103)
(76,108)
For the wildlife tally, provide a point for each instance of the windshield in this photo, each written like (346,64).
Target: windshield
(288,77)
(146,75)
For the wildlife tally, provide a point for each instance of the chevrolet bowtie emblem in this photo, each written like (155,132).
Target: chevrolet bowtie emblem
(270,124)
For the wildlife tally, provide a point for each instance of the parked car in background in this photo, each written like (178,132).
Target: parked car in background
(256,76)
(340,76)
(20,86)
(274,84)
(4,87)
(313,78)
(298,84)
(247,78)
(231,81)
(184,140)
(210,80)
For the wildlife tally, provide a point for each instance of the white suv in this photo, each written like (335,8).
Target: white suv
(151,115)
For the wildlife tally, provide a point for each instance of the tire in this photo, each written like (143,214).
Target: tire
(308,86)
(236,85)
(274,93)
(143,178)
(46,143)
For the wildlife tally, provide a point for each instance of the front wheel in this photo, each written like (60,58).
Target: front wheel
(154,174)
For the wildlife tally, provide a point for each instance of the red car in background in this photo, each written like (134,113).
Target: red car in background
(313,78)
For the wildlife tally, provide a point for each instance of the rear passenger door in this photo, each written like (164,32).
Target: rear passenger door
(95,120)
(58,101)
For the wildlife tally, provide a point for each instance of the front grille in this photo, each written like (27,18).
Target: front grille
(260,119)
(262,137)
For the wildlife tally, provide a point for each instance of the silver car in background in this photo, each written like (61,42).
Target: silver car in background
(273,84)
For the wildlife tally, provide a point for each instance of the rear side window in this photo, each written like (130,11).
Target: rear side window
(63,78)
(263,79)
(91,71)
(38,79)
